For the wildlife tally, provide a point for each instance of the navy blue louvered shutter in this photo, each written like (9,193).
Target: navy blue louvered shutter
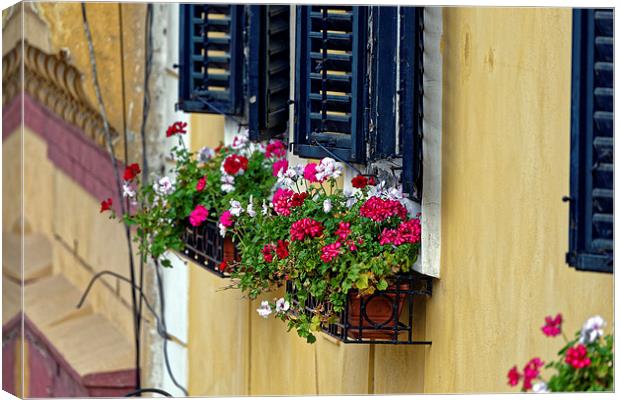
(411,98)
(330,82)
(210,58)
(268,70)
(591,181)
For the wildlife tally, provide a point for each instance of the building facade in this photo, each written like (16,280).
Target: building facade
(490,114)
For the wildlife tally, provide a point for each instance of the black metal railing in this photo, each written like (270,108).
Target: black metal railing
(385,317)
(206,247)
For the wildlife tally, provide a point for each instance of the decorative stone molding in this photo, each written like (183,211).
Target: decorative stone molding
(51,80)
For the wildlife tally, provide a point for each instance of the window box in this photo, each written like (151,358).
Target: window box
(205,246)
(385,317)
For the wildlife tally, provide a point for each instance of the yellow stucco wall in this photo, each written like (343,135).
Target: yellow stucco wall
(506,99)
(506,117)
(66,31)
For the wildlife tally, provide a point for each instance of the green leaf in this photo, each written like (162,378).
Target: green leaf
(362,281)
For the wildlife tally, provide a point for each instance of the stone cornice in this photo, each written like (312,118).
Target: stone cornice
(51,80)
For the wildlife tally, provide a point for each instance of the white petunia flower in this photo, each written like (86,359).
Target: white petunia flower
(163,186)
(205,154)
(250,208)
(264,310)
(540,387)
(227,188)
(265,208)
(222,230)
(287,177)
(282,305)
(128,190)
(327,205)
(227,183)
(592,329)
(235,208)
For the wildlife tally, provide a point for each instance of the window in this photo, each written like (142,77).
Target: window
(358,91)
(331,82)
(591,178)
(268,70)
(235,60)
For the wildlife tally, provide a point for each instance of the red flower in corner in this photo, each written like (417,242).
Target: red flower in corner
(514,376)
(106,205)
(268,253)
(131,171)
(177,127)
(553,326)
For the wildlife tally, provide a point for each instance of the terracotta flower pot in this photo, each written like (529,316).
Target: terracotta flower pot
(380,314)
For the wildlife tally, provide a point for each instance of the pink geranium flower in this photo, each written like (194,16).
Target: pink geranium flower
(226,219)
(305,227)
(275,149)
(282,201)
(577,357)
(280,165)
(330,251)
(553,326)
(379,209)
(514,376)
(199,215)
(310,172)
(531,372)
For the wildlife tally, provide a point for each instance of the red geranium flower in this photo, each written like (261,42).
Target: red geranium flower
(223,266)
(235,163)
(577,357)
(359,182)
(131,171)
(268,253)
(282,249)
(379,209)
(531,371)
(202,182)
(305,227)
(275,149)
(106,205)
(330,251)
(553,326)
(298,199)
(343,231)
(177,127)
(513,376)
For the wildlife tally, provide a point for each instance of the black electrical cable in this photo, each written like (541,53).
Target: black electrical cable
(148,59)
(148,390)
(108,137)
